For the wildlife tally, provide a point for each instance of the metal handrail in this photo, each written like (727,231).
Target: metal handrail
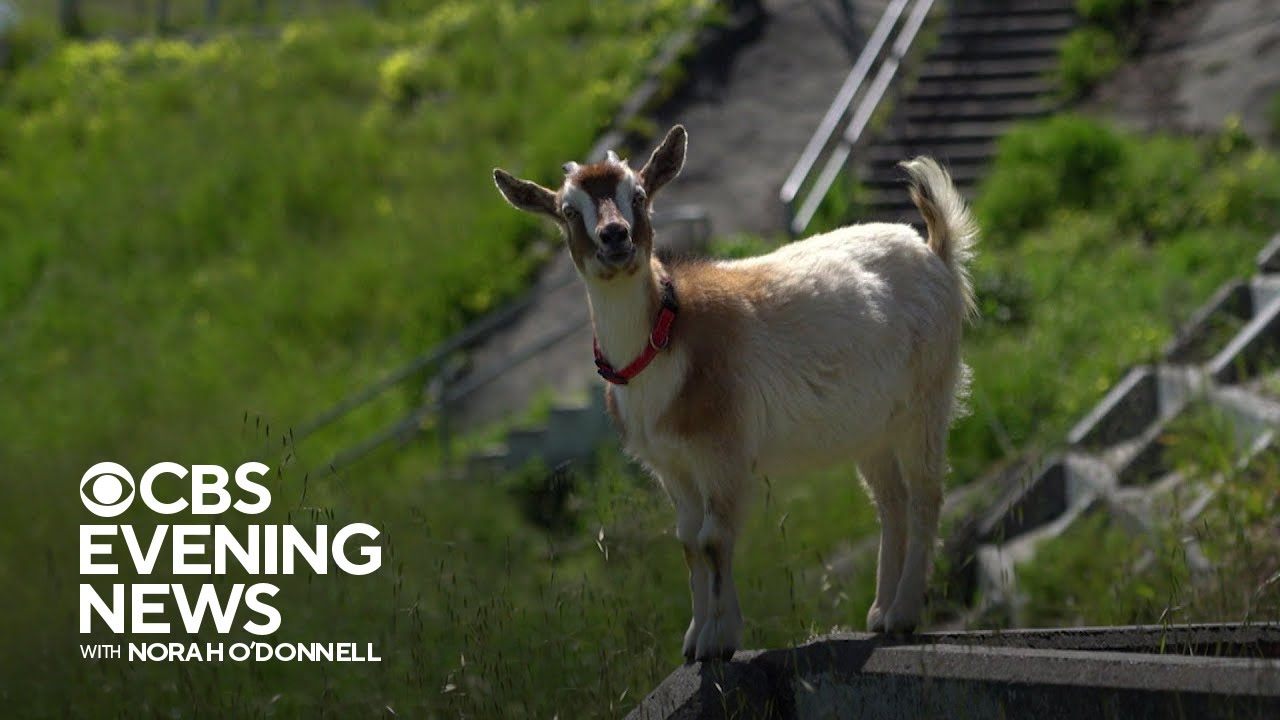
(470,336)
(798,218)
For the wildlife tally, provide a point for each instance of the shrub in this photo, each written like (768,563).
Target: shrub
(1157,193)
(1086,56)
(1112,32)
(1067,160)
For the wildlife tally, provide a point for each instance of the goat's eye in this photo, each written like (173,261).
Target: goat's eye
(638,198)
(570,212)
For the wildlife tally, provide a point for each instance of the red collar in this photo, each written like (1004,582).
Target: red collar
(659,338)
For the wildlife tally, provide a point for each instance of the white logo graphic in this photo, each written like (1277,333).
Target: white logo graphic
(107,496)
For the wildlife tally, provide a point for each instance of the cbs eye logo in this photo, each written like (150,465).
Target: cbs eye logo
(103,489)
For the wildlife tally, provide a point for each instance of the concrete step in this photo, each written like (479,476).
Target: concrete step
(571,432)
(487,463)
(939,88)
(948,153)
(941,131)
(976,108)
(950,69)
(524,444)
(1011,8)
(996,46)
(1045,22)
(889,175)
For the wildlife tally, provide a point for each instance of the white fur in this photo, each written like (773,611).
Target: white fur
(582,202)
(623,196)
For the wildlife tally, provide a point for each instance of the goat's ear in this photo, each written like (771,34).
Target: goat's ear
(525,194)
(666,161)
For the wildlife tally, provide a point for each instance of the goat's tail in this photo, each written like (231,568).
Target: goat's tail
(952,232)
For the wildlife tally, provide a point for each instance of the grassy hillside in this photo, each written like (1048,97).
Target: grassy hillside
(197,231)
(1097,245)
(204,240)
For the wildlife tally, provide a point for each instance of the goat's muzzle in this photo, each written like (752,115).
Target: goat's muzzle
(616,248)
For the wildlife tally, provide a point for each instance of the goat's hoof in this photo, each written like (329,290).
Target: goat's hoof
(718,640)
(690,648)
(875,619)
(899,623)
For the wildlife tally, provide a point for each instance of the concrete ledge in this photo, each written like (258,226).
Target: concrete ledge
(1123,413)
(1198,671)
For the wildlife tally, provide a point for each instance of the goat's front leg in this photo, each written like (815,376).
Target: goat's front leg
(688,526)
(721,633)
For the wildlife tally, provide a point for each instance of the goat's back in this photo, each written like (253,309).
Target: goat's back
(843,329)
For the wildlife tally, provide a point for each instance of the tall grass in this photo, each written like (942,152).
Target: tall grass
(206,242)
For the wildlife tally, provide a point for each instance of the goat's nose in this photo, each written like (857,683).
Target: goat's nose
(615,233)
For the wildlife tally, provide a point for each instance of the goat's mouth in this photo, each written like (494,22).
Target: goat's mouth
(617,258)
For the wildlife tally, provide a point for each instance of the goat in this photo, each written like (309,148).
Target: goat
(842,347)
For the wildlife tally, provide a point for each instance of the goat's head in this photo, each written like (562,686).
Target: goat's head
(604,207)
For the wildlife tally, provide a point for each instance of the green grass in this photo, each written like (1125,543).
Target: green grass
(137,17)
(197,232)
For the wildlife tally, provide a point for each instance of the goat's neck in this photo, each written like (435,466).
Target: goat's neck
(623,311)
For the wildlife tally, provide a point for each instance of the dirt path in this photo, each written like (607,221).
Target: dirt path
(749,113)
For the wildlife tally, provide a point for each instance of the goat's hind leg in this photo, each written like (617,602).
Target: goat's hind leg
(880,472)
(922,463)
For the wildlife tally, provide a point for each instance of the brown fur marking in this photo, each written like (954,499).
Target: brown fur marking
(599,180)
(713,304)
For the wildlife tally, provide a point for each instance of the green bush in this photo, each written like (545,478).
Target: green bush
(1065,161)
(1120,16)
(1086,56)
(1094,51)
(1157,192)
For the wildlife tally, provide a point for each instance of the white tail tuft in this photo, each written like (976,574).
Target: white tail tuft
(952,231)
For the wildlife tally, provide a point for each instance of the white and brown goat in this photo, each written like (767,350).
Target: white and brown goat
(842,347)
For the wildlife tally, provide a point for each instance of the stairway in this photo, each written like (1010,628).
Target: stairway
(1223,362)
(988,70)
